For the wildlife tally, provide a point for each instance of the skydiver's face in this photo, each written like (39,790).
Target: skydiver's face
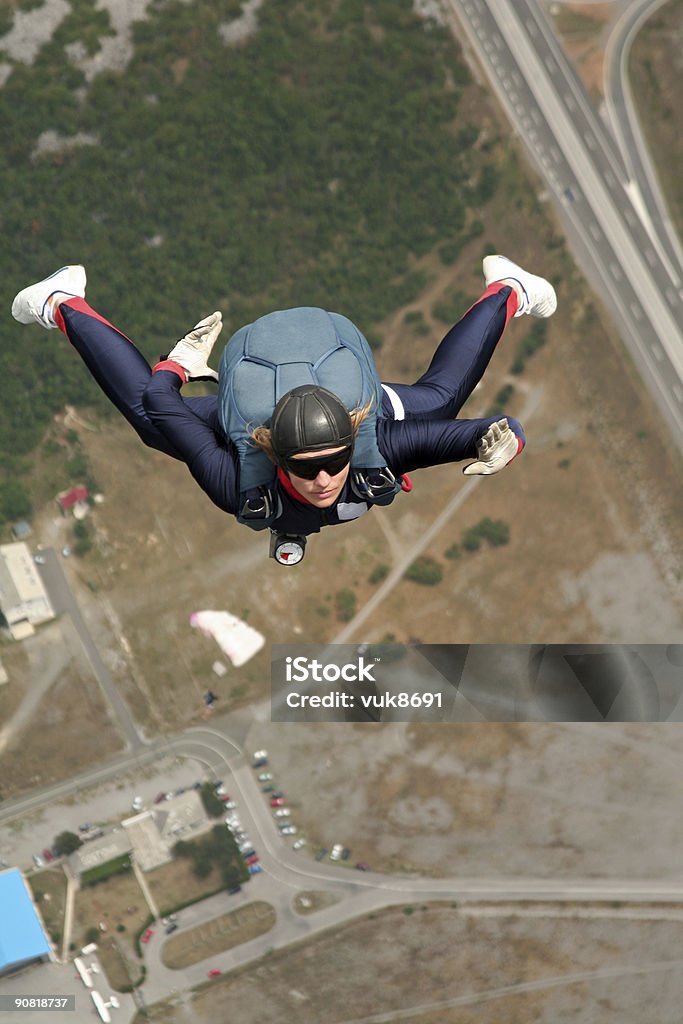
(324,489)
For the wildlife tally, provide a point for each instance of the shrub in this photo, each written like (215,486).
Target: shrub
(471,540)
(425,570)
(212,804)
(450,310)
(345,604)
(379,573)
(453,552)
(117,866)
(495,531)
(66,842)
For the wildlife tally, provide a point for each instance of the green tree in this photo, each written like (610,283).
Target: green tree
(14,501)
(213,805)
(67,842)
(425,570)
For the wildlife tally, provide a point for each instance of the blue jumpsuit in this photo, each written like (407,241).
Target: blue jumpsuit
(415,429)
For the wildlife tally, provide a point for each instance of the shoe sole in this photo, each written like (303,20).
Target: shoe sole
(29,304)
(545,303)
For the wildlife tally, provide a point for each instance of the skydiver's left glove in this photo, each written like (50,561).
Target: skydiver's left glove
(495,449)
(193,351)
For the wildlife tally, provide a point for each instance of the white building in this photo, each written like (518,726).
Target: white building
(23,599)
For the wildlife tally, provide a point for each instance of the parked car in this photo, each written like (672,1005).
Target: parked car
(253,859)
(48,855)
(260,762)
(268,789)
(171,927)
(38,860)
(254,869)
(148,935)
(159,798)
(282,812)
(40,559)
(288,830)
(362,866)
(213,973)
(322,853)
(265,777)
(246,854)
(277,801)
(234,888)
(336,851)
(298,843)
(346,853)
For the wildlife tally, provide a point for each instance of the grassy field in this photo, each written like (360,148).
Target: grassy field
(176,882)
(656,68)
(49,892)
(221,933)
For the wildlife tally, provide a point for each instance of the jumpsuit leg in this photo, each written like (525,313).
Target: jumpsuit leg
(460,360)
(121,371)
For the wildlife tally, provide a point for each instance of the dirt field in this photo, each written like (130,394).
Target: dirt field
(454,969)
(120,905)
(520,800)
(53,719)
(221,933)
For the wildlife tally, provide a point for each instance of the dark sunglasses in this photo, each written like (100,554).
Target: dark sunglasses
(308,469)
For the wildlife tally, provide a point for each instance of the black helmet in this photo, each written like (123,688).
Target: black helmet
(309,419)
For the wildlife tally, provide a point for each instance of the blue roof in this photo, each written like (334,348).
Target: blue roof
(21,933)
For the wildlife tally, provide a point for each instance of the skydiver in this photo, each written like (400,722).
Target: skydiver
(311,434)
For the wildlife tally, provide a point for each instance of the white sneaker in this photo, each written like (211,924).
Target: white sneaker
(536,295)
(32,304)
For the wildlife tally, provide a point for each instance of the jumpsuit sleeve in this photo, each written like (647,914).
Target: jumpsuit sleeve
(415,444)
(211,459)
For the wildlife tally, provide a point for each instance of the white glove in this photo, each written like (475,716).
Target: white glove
(495,449)
(192,352)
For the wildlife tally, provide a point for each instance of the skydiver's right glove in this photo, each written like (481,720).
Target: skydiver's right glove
(193,351)
(496,449)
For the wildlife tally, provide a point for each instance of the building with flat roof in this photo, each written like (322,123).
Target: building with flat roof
(154,833)
(24,603)
(23,939)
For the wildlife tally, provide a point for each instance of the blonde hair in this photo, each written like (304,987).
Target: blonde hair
(262,436)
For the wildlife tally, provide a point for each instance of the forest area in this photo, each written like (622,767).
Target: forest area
(313,164)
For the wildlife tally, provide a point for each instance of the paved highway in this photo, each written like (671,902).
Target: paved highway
(585,174)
